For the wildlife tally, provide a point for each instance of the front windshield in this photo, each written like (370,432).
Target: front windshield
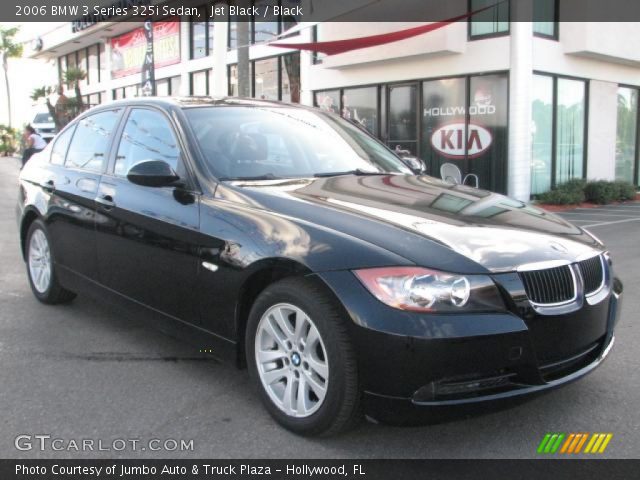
(43,118)
(282,142)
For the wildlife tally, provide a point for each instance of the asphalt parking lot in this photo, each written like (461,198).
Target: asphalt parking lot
(88,370)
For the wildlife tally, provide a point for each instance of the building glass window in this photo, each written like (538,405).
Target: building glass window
(233,79)
(199,36)
(266,79)
(627,135)
(329,100)
(82,65)
(62,67)
(468,130)
(102,59)
(491,22)
(71,63)
(444,103)
(290,75)
(541,134)
(132,91)
(162,88)
(200,83)
(233,32)
(558,131)
(545,15)
(289,21)
(570,126)
(268,27)
(232,75)
(93,75)
(166,87)
(94,99)
(360,106)
(175,85)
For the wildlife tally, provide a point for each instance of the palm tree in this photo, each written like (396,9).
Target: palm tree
(73,76)
(9,49)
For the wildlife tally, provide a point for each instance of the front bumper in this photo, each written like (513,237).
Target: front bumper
(454,359)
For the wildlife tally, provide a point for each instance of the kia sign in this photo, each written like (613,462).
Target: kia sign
(448,140)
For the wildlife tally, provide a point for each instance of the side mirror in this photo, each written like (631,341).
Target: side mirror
(416,164)
(152,173)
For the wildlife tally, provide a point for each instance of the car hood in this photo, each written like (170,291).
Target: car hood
(490,229)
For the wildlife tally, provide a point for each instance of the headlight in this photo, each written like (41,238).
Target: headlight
(424,290)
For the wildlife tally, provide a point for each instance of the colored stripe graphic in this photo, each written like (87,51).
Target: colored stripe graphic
(581,442)
(572,443)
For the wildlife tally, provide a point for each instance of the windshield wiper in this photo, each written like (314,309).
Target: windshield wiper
(357,171)
(266,176)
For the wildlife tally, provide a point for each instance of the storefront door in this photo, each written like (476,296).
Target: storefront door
(402,120)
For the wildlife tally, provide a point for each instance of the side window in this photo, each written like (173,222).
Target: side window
(147,135)
(61,145)
(89,146)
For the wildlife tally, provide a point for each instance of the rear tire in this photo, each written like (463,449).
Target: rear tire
(41,267)
(305,368)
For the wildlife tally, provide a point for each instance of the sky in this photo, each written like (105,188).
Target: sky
(24,76)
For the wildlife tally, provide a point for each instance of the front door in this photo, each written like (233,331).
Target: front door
(147,237)
(403,117)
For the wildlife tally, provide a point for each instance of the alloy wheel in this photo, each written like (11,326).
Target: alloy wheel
(40,261)
(291,360)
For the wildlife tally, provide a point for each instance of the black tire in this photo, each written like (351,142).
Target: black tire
(54,293)
(341,407)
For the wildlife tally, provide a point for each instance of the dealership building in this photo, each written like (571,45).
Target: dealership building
(523,105)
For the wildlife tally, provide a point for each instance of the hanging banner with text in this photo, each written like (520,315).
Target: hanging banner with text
(128,50)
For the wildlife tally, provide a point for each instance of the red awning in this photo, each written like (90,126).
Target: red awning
(341,46)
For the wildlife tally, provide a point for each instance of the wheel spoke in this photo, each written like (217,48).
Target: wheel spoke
(39,277)
(267,356)
(312,337)
(274,375)
(283,323)
(271,331)
(301,324)
(301,400)
(318,388)
(287,398)
(318,366)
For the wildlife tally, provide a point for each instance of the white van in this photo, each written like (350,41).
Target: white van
(44,125)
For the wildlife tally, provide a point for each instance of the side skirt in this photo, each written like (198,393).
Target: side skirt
(221,348)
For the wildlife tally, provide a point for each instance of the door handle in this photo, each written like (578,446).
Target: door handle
(48,186)
(106,201)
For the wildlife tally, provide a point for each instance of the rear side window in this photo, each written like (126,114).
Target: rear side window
(147,135)
(61,145)
(90,142)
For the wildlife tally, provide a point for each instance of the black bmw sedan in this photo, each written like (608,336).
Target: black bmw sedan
(290,242)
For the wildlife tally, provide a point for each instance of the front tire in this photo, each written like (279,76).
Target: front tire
(41,267)
(301,359)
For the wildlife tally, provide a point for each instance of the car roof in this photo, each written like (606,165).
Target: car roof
(200,101)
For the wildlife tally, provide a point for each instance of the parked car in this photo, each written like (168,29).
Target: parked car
(44,125)
(289,241)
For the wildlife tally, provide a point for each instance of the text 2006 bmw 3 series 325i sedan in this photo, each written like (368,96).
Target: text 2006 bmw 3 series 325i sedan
(293,243)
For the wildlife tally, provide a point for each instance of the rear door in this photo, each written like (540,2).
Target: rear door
(147,237)
(83,149)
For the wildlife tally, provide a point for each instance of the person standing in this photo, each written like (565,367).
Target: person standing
(34,143)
